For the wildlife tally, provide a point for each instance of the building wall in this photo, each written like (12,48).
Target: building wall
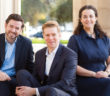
(7,7)
(104,15)
(103,12)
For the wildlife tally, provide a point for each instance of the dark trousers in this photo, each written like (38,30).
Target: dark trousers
(7,88)
(24,78)
(55,92)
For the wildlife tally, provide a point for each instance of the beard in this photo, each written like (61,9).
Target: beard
(12,35)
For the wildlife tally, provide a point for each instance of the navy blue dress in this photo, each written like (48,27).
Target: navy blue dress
(92,54)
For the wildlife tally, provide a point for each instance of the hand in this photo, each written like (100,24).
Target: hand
(4,76)
(25,91)
(101,74)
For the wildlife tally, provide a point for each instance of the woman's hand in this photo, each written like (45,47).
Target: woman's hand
(101,74)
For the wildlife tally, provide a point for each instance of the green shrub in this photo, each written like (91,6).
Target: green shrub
(40,40)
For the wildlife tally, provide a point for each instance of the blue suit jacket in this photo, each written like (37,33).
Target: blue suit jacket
(62,74)
(23,53)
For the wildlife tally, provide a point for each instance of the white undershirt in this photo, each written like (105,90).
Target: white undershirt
(49,60)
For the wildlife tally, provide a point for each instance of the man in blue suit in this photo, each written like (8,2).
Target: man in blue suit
(15,53)
(55,68)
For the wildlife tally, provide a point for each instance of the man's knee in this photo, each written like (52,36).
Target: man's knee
(51,91)
(22,73)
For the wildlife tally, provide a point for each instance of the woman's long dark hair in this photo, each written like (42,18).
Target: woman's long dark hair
(97,27)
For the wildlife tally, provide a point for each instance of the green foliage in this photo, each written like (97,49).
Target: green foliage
(41,41)
(38,41)
(31,10)
(62,12)
(64,41)
(34,11)
(42,21)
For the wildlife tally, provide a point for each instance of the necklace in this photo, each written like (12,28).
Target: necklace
(92,35)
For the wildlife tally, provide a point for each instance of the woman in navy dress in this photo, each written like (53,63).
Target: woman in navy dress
(92,46)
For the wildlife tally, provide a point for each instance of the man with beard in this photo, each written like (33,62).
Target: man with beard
(16,53)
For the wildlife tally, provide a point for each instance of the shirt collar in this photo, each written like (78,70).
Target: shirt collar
(83,32)
(53,52)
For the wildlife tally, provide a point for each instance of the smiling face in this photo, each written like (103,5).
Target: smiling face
(88,19)
(13,28)
(52,37)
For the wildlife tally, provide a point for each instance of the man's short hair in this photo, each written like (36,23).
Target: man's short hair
(15,17)
(51,24)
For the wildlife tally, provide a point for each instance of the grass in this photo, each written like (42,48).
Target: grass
(41,41)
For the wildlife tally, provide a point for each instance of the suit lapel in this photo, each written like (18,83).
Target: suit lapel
(2,45)
(18,49)
(42,64)
(56,59)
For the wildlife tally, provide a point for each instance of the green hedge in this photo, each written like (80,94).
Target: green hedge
(40,40)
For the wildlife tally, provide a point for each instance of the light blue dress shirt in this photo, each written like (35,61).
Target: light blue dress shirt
(9,62)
